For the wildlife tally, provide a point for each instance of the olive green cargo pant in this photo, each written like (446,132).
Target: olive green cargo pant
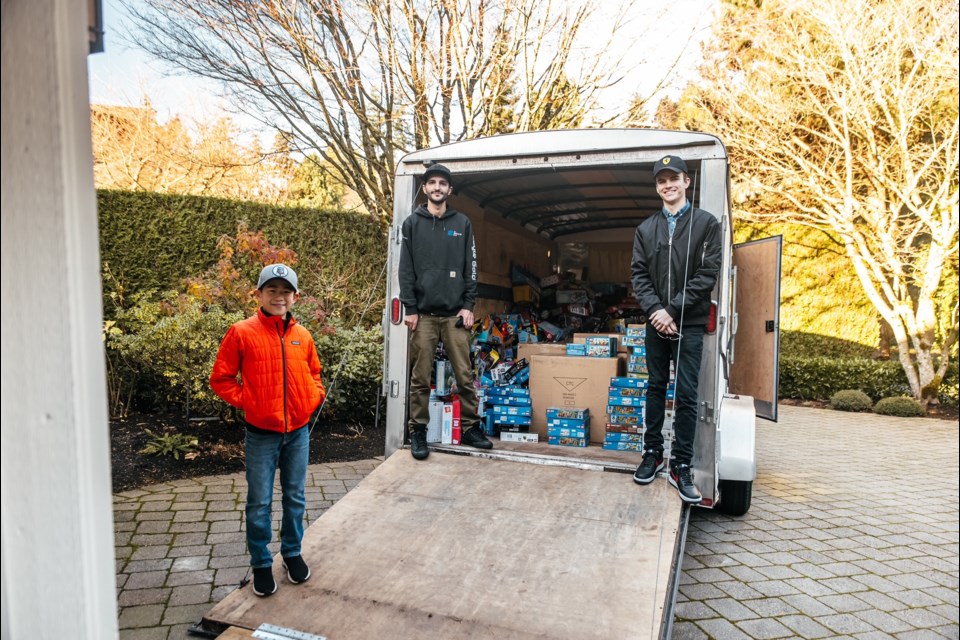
(422,349)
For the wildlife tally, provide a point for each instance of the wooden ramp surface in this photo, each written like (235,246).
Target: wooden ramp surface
(468,547)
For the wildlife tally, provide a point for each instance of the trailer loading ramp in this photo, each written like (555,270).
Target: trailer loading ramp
(462,546)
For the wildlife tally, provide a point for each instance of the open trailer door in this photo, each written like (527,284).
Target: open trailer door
(755,349)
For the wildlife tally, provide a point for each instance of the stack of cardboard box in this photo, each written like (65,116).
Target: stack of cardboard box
(568,427)
(508,413)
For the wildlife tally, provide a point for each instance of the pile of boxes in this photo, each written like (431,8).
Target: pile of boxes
(626,401)
(568,427)
(507,412)
(594,347)
(444,425)
(627,396)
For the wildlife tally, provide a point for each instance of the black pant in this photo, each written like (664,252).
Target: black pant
(685,353)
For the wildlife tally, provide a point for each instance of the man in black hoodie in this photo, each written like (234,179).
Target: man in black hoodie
(676,259)
(438,289)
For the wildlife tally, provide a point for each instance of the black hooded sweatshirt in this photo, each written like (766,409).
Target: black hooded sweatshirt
(438,263)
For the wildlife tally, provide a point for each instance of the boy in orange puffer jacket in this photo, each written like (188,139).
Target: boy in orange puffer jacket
(278,390)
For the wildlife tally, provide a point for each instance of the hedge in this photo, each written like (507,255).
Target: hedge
(152,241)
(819,377)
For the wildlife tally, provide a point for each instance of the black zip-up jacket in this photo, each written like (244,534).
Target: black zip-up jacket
(438,263)
(659,263)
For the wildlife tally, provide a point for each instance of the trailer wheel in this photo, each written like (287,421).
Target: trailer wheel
(735,496)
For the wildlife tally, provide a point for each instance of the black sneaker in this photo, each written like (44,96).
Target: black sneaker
(474,438)
(648,469)
(297,569)
(418,443)
(263,583)
(681,476)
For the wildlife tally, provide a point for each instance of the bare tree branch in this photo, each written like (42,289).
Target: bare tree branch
(842,115)
(359,82)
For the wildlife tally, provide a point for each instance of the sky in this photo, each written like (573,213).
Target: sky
(123,75)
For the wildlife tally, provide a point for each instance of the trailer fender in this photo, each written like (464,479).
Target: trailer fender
(737,438)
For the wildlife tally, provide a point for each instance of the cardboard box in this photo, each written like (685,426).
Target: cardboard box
(562,382)
(623,446)
(576,349)
(509,436)
(581,338)
(620,436)
(569,413)
(456,420)
(445,379)
(446,424)
(568,432)
(435,426)
(525,294)
(511,410)
(549,281)
(625,428)
(527,351)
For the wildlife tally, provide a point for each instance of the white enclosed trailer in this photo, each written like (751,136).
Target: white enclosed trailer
(530,540)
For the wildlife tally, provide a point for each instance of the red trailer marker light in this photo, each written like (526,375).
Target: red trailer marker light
(396,311)
(712,317)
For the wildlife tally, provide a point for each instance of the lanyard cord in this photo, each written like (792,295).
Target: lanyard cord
(686,267)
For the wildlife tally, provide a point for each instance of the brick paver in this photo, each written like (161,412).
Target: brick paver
(861,512)
(845,538)
(180,546)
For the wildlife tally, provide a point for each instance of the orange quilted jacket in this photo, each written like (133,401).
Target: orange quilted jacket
(279,386)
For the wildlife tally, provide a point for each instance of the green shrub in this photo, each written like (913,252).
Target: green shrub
(163,353)
(352,370)
(171,444)
(816,377)
(899,406)
(799,343)
(850,400)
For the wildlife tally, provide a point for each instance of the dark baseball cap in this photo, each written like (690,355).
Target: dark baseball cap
(670,163)
(437,169)
(277,272)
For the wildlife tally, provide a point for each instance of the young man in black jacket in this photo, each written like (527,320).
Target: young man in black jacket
(676,259)
(438,289)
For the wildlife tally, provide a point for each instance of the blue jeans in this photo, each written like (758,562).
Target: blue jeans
(290,452)
(685,354)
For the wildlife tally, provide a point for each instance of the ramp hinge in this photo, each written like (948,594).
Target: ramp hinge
(273,632)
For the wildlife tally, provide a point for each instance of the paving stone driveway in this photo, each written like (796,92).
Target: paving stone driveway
(853,533)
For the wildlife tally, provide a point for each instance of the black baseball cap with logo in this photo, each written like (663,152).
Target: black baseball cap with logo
(670,163)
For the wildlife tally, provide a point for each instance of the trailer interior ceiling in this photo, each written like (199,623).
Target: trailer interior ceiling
(566,203)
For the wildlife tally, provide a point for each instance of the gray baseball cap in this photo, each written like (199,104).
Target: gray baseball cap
(281,271)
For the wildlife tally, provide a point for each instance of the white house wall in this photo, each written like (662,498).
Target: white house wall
(57,533)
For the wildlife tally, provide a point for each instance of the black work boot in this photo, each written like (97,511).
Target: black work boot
(474,437)
(418,443)
(681,476)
